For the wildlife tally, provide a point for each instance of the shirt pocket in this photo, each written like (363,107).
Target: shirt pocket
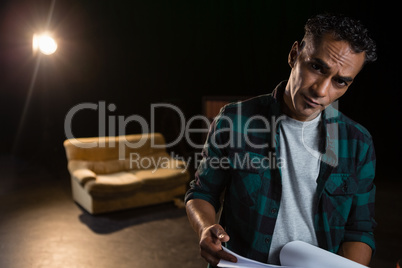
(340,189)
(246,176)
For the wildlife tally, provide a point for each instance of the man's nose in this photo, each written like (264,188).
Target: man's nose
(321,87)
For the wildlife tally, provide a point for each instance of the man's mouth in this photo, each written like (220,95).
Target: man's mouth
(311,102)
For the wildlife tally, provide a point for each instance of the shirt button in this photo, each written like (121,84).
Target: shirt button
(267,240)
(274,210)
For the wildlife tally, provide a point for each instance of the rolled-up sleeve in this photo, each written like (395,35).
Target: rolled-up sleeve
(212,174)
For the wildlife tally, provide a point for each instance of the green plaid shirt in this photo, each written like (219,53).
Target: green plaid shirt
(241,161)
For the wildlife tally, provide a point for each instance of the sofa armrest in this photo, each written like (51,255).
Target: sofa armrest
(83,175)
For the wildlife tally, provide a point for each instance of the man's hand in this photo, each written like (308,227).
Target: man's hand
(201,215)
(211,239)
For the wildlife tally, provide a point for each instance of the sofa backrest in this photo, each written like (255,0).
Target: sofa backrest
(113,154)
(113,148)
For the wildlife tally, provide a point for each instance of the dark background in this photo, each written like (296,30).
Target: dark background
(135,53)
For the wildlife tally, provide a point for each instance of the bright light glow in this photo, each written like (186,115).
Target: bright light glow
(44,43)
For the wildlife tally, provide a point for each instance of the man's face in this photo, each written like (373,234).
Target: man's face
(321,73)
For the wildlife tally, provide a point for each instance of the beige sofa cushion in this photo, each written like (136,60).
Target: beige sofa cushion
(115,184)
(123,183)
(161,179)
(148,161)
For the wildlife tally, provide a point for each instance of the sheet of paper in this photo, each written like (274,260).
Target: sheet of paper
(296,254)
(245,262)
(309,256)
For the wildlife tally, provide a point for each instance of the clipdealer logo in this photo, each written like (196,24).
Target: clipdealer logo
(109,122)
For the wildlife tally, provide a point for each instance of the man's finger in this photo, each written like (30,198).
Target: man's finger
(220,233)
(226,256)
(210,258)
(214,257)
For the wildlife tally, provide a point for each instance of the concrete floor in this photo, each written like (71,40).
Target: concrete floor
(40,226)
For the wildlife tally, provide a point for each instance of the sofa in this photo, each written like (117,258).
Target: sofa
(116,173)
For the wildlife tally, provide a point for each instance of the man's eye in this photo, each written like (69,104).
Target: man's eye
(341,82)
(315,66)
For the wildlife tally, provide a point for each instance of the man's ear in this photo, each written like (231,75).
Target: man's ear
(294,53)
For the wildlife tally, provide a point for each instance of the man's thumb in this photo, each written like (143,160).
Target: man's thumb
(220,233)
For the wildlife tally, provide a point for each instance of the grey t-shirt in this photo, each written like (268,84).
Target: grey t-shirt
(299,143)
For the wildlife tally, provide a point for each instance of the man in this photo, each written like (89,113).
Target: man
(288,165)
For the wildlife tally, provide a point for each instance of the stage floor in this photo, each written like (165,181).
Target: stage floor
(40,226)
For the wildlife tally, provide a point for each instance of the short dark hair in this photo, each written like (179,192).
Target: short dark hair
(344,28)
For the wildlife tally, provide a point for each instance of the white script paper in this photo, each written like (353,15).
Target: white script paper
(243,262)
(309,256)
(296,254)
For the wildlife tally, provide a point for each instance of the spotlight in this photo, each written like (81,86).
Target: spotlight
(44,43)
